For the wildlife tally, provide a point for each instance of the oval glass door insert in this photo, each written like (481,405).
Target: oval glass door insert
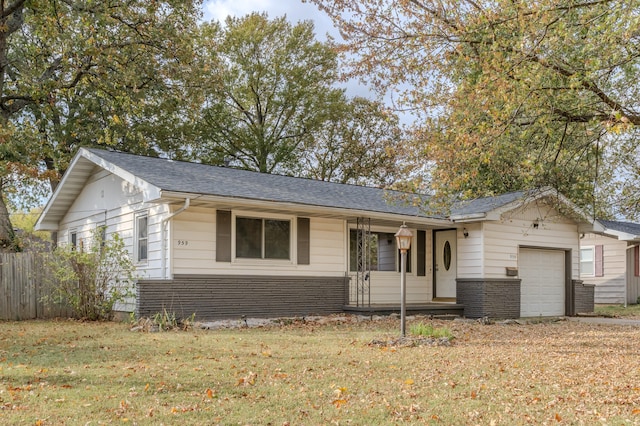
(446,256)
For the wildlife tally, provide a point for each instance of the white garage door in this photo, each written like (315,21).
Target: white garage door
(542,289)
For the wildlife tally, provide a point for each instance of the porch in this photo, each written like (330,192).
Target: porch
(436,309)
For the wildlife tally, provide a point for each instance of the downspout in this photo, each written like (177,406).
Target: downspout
(163,232)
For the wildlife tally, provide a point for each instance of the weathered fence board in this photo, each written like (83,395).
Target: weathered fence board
(25,286)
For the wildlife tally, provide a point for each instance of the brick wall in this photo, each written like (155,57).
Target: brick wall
(493,298)
(230,297)
(583,297)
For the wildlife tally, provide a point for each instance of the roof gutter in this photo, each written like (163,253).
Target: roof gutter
(163,233)
(468,217)
(236,202)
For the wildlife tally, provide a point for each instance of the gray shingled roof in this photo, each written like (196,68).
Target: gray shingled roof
(486,204)
(627,227)
(194,178)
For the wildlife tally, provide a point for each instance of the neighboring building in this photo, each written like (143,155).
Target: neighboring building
(609,260)
(221,243)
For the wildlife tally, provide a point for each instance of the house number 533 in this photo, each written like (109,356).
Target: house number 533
(183,242)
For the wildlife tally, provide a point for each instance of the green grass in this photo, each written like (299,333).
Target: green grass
(618,310)
(73,373)
(428,330)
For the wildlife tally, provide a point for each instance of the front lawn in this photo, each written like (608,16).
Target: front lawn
(66,372)
(618,310)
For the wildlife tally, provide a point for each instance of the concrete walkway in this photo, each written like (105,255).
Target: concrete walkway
(606,321)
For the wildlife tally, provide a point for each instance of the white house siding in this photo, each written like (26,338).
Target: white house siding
(503,238)
(328,247)
(193,244)
(192,236)
(470,258)
(385,288)
(611,287)
(108,200)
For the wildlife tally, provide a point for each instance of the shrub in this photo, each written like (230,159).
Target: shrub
(92,280)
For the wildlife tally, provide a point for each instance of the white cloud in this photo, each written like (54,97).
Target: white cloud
(295,10)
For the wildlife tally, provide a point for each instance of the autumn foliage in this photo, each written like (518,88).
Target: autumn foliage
(508,95)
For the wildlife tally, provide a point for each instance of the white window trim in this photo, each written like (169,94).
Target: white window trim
(293,230)
(136,240)
(593,261)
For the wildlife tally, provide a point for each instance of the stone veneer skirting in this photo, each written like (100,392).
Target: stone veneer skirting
(232,296)
(493,298)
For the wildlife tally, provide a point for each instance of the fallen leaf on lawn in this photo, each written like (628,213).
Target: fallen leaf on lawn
(558,418)
(408,382)
(209,393)
(474,395)
(249,379)
(635,411)
(339,402)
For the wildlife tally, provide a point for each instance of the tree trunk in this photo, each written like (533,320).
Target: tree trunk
(7,236)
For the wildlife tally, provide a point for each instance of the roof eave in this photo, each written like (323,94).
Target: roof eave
(43,224)
(46,223)
(473,217)
(622,236)
(311,209)
(593,227)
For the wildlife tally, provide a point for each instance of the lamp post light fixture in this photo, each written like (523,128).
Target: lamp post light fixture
(403,239)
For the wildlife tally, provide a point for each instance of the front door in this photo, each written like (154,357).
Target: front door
(445,265)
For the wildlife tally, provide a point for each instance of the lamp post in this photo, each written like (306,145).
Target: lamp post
(403,239)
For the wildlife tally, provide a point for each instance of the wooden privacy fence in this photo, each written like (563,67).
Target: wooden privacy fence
(25,286)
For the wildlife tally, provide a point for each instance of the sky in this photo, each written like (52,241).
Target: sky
(295,10)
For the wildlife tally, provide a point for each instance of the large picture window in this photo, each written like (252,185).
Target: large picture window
(258,238)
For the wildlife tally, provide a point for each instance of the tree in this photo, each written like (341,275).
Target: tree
(510,94)
(361,144)
(76,73)
(271,87)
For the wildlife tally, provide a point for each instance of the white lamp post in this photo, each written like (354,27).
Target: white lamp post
(403,239)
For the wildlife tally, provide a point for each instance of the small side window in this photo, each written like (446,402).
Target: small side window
(587,261)
(142,238)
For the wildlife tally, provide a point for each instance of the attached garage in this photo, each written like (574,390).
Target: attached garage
(542,289)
